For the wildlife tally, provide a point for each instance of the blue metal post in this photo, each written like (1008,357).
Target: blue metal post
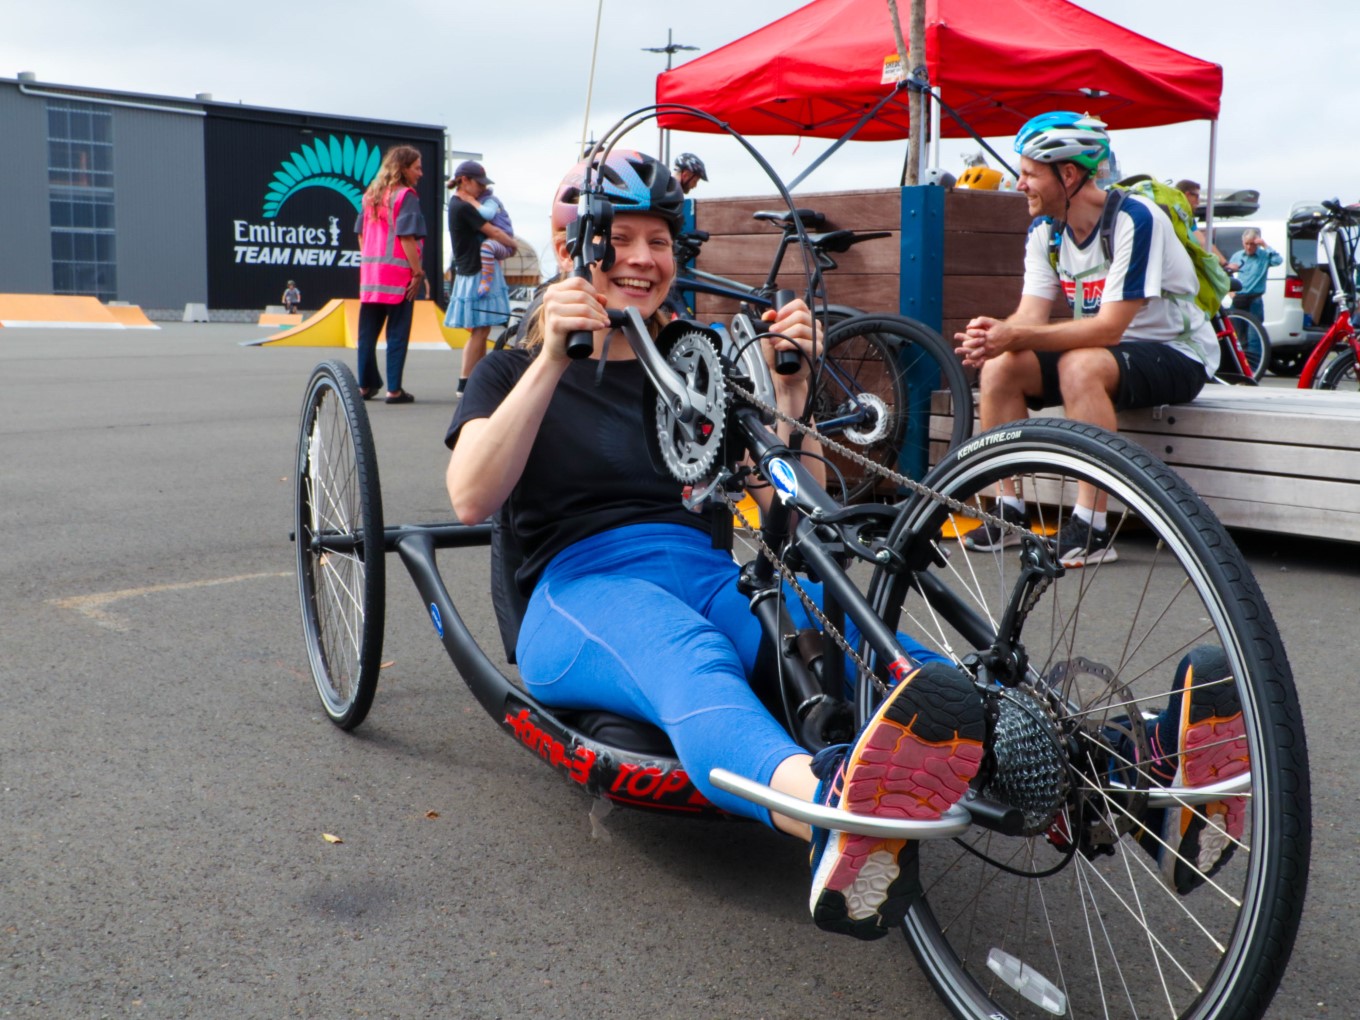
(921,297)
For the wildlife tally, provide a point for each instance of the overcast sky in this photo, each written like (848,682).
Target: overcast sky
(509,80)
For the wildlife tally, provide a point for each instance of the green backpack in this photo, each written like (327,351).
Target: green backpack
(1214,282)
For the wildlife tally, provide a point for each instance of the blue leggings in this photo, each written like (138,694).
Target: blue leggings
(646,621)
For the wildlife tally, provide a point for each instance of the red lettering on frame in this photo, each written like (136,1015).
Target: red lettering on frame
(645,782)
(550,749)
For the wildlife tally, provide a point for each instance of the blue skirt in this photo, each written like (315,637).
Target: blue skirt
(468,309)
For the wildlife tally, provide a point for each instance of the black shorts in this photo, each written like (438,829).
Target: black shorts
(1149,374)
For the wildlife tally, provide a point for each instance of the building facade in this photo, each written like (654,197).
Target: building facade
(165,202)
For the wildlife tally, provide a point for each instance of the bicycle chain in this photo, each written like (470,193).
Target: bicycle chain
(808,603)
(879,469)
(883,471)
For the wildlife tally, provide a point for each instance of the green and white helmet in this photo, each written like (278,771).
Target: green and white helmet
(1064,137)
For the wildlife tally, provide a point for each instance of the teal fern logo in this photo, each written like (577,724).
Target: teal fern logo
(338,164)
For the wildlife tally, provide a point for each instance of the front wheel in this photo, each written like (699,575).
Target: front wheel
(875,380)
(1124,893)
(338,529)
(1253,338)
(1339,372)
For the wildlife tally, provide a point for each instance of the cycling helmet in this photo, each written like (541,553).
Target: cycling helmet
(631,181)
(981,178)
(1064,137)
(692,163)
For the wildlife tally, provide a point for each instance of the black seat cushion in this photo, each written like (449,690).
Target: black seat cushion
(617,731)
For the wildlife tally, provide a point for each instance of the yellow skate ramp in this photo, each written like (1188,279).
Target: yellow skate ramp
(337,325)
(68,311)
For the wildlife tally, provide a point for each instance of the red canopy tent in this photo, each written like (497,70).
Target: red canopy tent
(998,62)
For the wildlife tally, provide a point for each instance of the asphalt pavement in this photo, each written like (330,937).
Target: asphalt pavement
(168,780)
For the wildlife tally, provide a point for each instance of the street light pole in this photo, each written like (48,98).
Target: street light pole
(670,49)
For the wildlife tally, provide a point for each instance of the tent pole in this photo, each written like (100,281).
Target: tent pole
(919,109)
(935,126)
(1213,159)
(910,165)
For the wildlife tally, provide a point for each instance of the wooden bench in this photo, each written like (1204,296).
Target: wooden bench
(1262,458)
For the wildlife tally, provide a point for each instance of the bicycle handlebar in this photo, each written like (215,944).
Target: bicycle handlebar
(786,362)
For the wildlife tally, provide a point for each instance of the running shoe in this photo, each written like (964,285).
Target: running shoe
(990,537)
(913,759)
(1081,545)
(1199,739)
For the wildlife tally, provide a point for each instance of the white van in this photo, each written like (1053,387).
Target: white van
(1291,334)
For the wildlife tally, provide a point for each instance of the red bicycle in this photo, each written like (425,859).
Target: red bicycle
(1244,348)
(1334,357)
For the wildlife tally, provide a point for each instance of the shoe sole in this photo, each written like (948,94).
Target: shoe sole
(1213,738)
(1081,558)
(1006,542)
(915,761)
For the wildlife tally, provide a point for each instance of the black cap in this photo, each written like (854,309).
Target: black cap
(471,168)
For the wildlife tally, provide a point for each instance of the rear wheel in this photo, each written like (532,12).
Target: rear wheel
(876,380)
(1288,363)
(1253,338)
(1071,916)
(1339,373)
(338,529)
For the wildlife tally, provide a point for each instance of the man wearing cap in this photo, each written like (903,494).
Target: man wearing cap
(689,171)
(468,309)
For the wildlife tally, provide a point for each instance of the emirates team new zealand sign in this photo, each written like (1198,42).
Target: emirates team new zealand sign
(282,201)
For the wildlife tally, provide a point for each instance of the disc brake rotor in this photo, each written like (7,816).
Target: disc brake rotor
(876,427)
(690,448)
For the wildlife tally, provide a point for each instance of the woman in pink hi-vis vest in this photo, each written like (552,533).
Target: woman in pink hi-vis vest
(391,240)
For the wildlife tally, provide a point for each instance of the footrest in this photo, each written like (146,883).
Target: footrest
(953,822)
(1175,796)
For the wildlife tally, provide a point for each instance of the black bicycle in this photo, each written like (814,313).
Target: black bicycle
(1041,891)
(878,371)
(1038,899)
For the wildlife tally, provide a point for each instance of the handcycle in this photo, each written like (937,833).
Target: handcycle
(877,371)
(1036,900)
(1332,362)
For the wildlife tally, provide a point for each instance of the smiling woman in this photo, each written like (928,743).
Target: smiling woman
(633,603)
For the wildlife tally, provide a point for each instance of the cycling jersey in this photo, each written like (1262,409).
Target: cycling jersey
(1147,262)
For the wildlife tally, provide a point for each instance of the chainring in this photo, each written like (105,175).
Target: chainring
(690,449)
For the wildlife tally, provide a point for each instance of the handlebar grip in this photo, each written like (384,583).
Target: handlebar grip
(581,344)
(785,362)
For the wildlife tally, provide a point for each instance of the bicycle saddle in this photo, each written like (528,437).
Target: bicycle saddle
(841,240)
(784,218)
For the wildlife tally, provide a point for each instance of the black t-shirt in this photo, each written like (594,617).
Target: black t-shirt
(589,469)
(465,230)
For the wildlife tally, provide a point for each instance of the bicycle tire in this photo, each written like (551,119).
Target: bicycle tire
(1288,363)
(1337,371)
(338,531)
(1254,339)
(899,363)
(1103,929)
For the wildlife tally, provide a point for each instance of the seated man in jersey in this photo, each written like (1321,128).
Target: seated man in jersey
(1136,337)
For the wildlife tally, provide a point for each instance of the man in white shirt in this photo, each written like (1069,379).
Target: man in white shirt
(1136,338)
